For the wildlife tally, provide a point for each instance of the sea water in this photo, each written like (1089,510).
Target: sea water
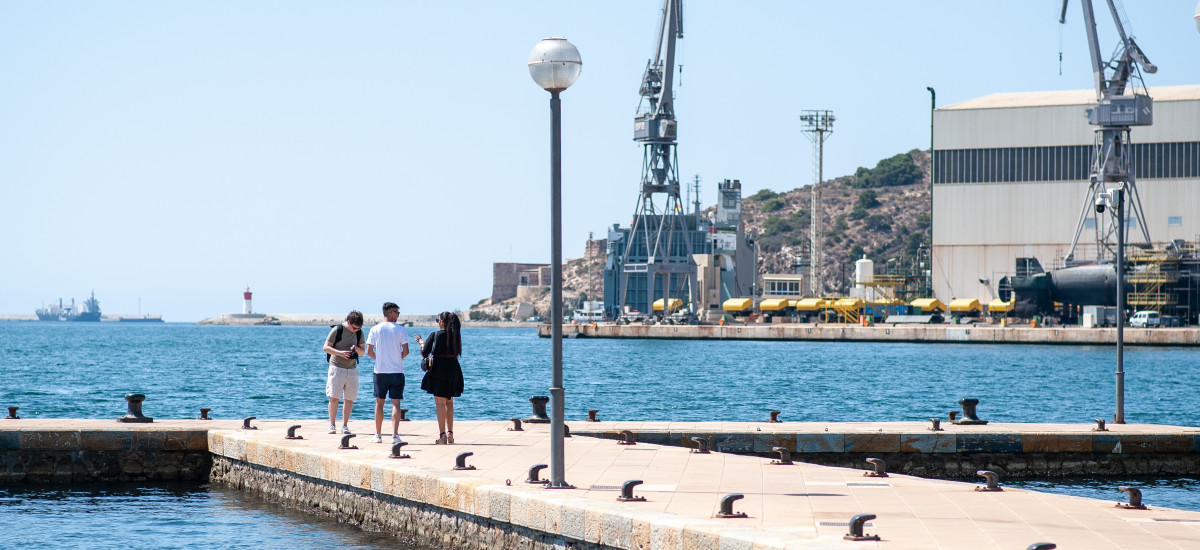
(84,370)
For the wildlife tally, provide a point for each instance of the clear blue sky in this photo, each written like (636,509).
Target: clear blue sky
(334,155)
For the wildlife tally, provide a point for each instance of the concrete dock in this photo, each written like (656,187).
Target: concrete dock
(883,332)
(423,499)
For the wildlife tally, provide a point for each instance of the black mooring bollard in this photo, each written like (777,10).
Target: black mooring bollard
(727,506)
(539,410)
(1099,425)
(937,424)
(403,418)
(346,442)
(627,438)
(993,481)
(968,412)
(1135,498)
(857,523)
(516,427)
(134,401)
(785,456)
(460,461)
(566,430)
(396,451)
(627,491)
(880,468)
(534,474)
(774,417)
(953,416)
(246,423)
(1042,546)
(592,415)
(291,432)
(701,445)
(204,414)
(12,413)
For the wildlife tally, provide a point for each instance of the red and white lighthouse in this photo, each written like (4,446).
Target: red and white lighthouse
(246,309)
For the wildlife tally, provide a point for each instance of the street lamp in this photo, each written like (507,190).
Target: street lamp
(554,64)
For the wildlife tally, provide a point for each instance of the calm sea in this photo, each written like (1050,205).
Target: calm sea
(83,370)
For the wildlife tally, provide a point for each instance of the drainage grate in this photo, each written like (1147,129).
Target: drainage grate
(841,524)
(851,484)
(605,487)
(1177,520)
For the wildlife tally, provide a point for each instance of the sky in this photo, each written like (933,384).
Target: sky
(336,155)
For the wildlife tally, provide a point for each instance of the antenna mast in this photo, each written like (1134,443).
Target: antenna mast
(817,127)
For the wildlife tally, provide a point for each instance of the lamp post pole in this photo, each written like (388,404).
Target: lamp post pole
(932,108)
(555,64)
(1119,196)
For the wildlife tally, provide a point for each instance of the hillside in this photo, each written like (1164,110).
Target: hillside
(882,212)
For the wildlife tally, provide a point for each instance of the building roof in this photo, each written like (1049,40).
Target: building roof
(1189,92)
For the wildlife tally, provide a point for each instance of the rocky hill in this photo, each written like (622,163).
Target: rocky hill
(882,212)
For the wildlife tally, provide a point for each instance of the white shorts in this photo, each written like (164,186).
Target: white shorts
(341,383)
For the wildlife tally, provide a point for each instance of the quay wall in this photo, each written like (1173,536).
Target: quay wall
(1011,453)
(43,456)
(978,334)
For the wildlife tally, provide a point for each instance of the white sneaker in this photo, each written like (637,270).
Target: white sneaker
(396,439)
(376,439)
(333,428)
(346,429)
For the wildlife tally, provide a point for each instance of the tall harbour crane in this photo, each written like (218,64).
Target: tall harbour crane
(658,238)
(1114,113)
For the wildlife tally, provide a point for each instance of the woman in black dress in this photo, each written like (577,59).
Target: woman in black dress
(445,379)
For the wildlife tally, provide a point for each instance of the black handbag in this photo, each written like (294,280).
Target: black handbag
(427,361)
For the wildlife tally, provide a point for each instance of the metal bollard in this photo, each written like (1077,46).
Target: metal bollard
(953,415)
(1135,498)
(701,445)
(880,468)
(204,414)
(346,442)
(727,507)
(516,427)
(12,413)
(291,434)
(460,462)
(1099,425)
(592,415)
(566,430)
(246,423)
(774,417)
(533,474)
(630,438)
(396,451)
(993,481)
(627,491)
(134,401)
(937,424)
(968,411)
(539,410)
(404,418)
(1042,546)
(785,456)
(856,528)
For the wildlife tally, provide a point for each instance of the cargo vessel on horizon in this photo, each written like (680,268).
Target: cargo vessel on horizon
(59,312)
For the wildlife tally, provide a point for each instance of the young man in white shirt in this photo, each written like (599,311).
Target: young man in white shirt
(387,344)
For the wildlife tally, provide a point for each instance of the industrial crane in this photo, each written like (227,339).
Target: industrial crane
(1113,114)
(660,236)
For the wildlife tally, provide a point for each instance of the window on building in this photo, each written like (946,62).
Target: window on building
(1174,221)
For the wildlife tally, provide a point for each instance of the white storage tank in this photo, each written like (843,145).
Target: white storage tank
(864,271)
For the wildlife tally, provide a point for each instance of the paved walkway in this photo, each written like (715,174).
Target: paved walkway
(797,506)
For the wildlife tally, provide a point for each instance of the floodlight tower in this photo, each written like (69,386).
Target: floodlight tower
(817,127)
(660,237)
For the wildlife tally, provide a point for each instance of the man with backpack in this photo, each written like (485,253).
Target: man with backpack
(342,348)
(387,344)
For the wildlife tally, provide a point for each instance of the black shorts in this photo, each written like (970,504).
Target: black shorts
(389,384)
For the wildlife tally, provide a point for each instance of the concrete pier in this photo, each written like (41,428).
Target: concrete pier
(957,334)
(423,499)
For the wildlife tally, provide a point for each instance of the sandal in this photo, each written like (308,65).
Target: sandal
(450,438)
(441,440)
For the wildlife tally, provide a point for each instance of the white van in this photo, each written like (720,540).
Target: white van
(1145,319)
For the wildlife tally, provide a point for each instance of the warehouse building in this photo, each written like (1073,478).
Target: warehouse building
(1011,173)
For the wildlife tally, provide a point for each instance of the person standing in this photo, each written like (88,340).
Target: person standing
(387,344)
(445,379)
(343,346)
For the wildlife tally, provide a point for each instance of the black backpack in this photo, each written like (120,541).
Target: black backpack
(338,338)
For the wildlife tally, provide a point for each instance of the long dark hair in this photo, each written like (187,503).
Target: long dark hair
(453,327)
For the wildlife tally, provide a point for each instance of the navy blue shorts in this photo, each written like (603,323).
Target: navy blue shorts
(389,384)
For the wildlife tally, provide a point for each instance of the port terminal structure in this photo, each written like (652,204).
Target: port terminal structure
(733,496)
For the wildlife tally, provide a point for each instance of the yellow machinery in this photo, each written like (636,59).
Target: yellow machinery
(965,306)
(738,305)
(672,304)
(810,304)
(774,305)
(849,309)
(928,305)
(998,306)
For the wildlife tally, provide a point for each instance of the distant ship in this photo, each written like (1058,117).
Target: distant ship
(91,311)
(140,319)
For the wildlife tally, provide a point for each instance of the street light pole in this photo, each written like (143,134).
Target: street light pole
(932,108)
(554,64)
(1119,198)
